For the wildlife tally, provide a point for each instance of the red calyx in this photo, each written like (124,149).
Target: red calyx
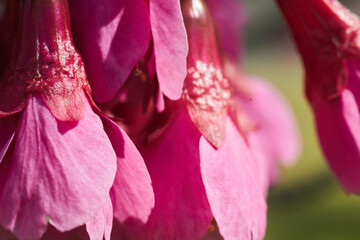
(206,89)
(44,61)
(326,35)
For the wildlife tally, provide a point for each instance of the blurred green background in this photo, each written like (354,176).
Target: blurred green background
(307,203)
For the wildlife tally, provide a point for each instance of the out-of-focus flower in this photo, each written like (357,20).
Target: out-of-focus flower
(327,37)
(269,124)
(112,39)
(61,165)
(199,162)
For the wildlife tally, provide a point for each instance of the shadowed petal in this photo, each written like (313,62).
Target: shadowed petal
(265,164)
(112,36)
(132,193)
(78,233)
(170,45)
(6,235)
(233,188)
(59,173)
(100,225)
(274,119)
(181,208)
(338,125)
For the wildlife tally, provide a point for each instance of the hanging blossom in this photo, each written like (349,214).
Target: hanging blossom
(327,37)
(268,122)
(62,166)
(112,40)
(199,163)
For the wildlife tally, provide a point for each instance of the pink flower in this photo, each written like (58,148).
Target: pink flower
(267,122)
(61,165)
(199,162)
(113,35)
(327,37)
(271,132)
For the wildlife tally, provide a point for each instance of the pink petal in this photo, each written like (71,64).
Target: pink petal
(160,102)
(232,186)
(230,17)
(275,121)
(181,208)
(59,173)
(112,36)
(132,193)
(265,165)
(338,125)
(7,131)
(118,232)
(100,225)
(170,45)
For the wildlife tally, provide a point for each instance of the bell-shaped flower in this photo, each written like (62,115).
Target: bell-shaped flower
(327,37)
(200,164)
(62,165)
(113,35)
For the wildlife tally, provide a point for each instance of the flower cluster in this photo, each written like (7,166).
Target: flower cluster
(130,119)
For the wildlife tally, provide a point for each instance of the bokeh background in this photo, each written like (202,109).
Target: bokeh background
(307,203)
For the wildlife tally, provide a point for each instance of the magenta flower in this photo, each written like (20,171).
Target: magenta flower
(275,128)
(271,132)
(268,123)
(327,37)
(61,165)
(112,39)
(199,162)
